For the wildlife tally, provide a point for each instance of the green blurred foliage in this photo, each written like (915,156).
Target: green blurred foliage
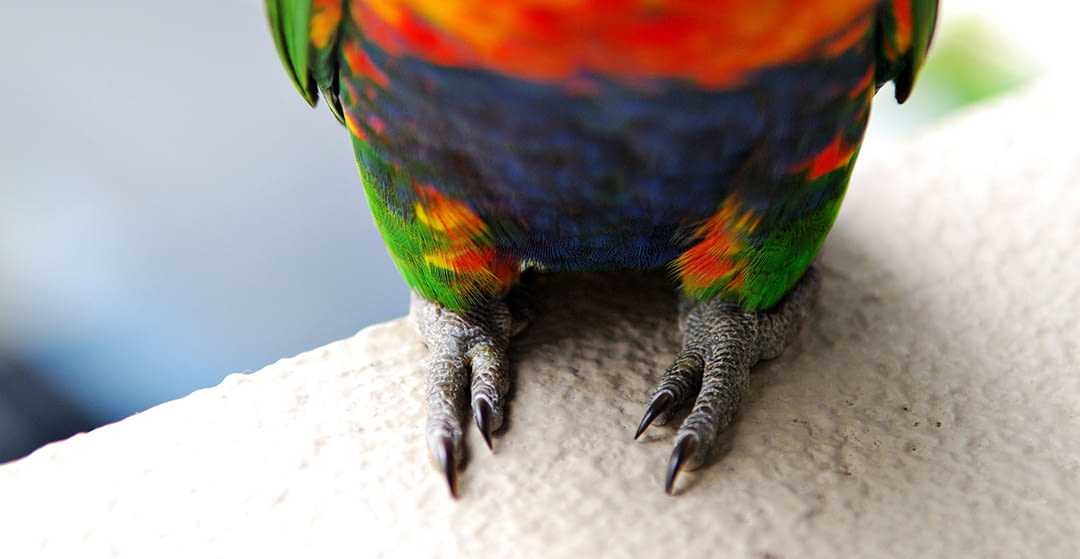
(970,62)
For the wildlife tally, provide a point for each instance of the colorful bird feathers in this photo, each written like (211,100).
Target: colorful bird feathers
(713,138)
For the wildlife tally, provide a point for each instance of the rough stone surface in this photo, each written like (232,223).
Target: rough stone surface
(928,409)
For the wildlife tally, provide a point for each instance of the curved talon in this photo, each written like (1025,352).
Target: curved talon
(684,449)
(482,415)
(661,403)
(443,453)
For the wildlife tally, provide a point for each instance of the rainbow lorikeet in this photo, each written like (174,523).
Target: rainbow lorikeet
(711,138)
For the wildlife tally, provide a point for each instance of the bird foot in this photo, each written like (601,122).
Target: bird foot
(468,369)
(721,342)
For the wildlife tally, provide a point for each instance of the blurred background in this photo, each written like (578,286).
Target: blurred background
(172,212)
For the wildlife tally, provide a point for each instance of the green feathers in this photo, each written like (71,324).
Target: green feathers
(290,21)
(305,33)
(904,32)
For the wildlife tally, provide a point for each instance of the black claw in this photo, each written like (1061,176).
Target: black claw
(684,449)
(660,404)
(444,455)
(482,415)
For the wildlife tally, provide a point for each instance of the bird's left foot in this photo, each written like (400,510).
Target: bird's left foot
(721,342)
(469,369)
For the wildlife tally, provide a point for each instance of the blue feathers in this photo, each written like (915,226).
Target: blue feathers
(608,175)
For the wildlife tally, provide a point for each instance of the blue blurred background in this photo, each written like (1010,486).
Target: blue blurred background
(172,212)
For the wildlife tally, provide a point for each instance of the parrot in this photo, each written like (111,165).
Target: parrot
(710,139)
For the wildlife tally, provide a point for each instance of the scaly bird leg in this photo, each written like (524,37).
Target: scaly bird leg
(474,341)
(721,342)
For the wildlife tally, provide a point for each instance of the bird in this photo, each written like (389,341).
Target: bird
(712,139)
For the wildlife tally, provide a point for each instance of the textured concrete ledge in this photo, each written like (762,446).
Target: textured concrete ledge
(929,409)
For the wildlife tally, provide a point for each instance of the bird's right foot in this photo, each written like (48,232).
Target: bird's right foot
(468,369)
